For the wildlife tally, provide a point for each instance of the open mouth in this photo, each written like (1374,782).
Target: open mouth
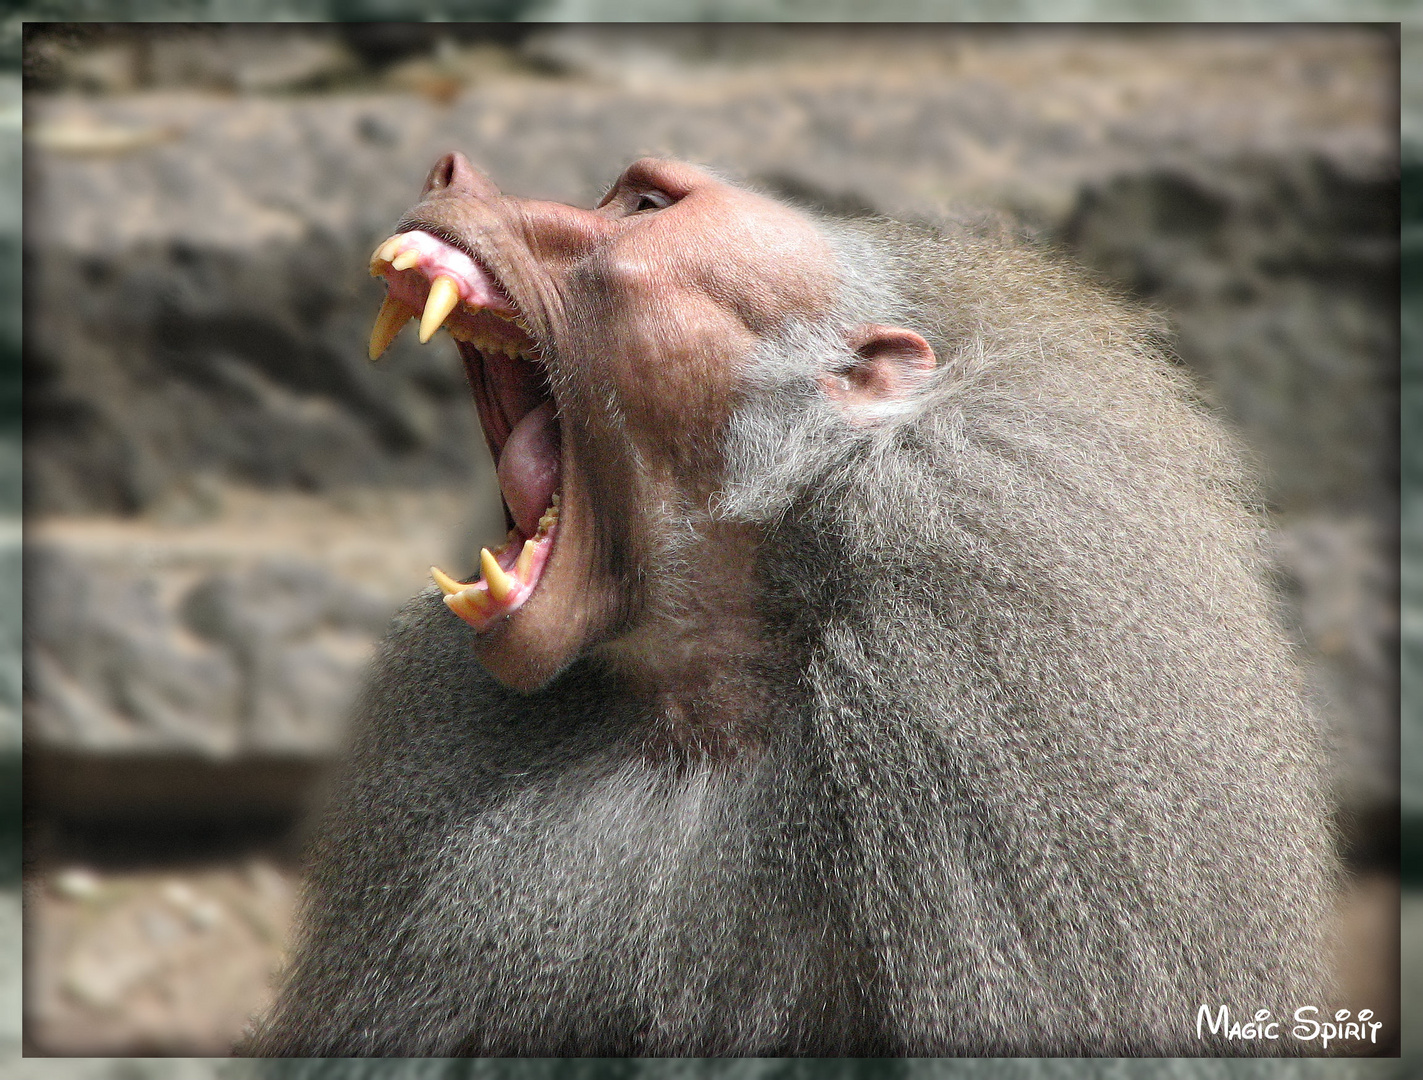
(442,285)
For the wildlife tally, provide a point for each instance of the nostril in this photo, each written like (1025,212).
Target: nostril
(454,171)
(443,174)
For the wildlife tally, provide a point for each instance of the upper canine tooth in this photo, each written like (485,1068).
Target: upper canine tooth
(444,295)
(406,259)
(394,314)
(500,583)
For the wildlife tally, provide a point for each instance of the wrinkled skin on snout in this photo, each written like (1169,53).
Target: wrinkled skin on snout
(605,346)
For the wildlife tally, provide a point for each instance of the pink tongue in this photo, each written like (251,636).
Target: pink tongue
(528,467)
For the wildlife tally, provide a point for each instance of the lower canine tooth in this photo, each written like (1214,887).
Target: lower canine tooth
(500,584)
(394,314)
(444,295)
(448,585)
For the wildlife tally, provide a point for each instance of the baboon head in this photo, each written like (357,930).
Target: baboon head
(607,350)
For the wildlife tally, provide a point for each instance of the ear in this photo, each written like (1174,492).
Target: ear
(891,363)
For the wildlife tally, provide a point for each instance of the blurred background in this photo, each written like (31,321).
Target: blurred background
(225,503)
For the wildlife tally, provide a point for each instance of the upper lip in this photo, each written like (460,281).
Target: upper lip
(414,223)
(454,240)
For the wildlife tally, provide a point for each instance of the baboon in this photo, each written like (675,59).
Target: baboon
(881,661)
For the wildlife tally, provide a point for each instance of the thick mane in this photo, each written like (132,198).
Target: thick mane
(1048,575)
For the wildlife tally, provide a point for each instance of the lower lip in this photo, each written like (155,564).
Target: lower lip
(476,603)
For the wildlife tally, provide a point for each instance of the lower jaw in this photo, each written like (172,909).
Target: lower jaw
(509,575)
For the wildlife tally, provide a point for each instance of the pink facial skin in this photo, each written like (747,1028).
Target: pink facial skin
(631,324)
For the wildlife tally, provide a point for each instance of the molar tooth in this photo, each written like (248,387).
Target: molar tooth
(500,584)
(507,544)
(406,259)
(393,316)
(526,561)
(444,295)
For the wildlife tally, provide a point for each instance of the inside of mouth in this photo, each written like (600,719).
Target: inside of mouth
(444,286)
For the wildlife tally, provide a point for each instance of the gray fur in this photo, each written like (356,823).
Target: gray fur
(1039,777)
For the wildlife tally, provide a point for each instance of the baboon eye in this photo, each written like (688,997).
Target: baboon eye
(652,200)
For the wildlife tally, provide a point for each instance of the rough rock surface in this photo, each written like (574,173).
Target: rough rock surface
(235,629)
(231,660)
(1281,277)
